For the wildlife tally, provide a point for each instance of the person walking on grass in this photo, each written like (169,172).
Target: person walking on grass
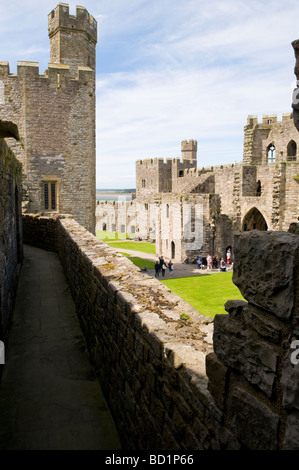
(170,267)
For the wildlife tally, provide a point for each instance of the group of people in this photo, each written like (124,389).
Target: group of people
(213,262)
(161,266)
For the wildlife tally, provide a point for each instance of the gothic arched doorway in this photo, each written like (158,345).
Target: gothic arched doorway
(254,220)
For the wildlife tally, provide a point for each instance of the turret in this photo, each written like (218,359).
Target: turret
(189,151)
(72,38)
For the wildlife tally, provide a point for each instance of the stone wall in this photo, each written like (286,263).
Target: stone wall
(68,160)
(11,238)
(55,115)
(259,382)
(167,385)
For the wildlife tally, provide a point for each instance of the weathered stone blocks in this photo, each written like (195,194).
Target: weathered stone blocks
(253,423)
(264,270)
(11,233)
(241,350)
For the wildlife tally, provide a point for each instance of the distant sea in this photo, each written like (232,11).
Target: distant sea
(114,194)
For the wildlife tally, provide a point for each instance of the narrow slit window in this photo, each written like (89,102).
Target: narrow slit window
(50,196)
(53,196)
(46,196)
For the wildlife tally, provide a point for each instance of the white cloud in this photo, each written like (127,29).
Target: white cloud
(198,74)
(169,71)
(149,117)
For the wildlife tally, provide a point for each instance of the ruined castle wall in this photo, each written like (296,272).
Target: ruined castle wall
(107,216)
(195,180)
(167,386)
(227,180)
(55,116)
(278,201)
(152,176)
(258,136)
(11,234)
(183,225)
(291,195)
(123,216)
(183,173)
(281,133)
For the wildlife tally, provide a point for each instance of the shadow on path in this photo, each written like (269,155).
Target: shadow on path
(49,396)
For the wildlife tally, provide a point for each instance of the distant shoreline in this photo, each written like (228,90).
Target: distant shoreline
(113,194)
(127,191)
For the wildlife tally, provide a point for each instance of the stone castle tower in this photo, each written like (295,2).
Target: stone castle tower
(55,115)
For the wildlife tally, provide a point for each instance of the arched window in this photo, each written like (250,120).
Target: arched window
(271,154)
(167,211)
(291,151)
(181,173)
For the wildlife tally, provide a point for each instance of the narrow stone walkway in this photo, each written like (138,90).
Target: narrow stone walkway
(49,396)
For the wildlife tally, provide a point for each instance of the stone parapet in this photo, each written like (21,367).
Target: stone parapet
(177,384)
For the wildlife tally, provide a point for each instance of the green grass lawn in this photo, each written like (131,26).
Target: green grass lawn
(207,293)
(137,246)
(110,236)
(140,262)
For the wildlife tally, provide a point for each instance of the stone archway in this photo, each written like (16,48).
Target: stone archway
(254,220)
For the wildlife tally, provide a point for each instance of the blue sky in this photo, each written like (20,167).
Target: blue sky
(169,71)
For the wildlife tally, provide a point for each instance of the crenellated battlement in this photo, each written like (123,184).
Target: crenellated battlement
(155,162)
(60,18)
(31,69)
(189,145)
(268,119)
(259,136)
